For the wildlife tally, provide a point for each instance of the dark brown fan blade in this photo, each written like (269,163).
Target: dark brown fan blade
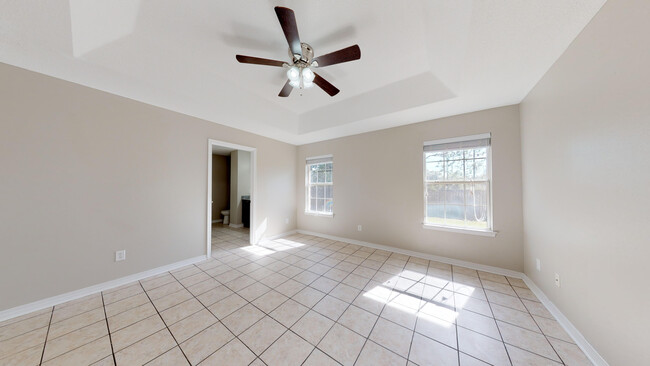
(344,55)
(325,85)
(259,61)
(288,22)
(286,90)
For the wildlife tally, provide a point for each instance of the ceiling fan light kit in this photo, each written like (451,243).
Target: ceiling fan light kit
(300,73)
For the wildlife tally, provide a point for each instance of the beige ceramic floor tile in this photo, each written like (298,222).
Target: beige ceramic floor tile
(527,340)
(482,347)
(466,360)
(253,291)
(227,306)
(173,357)
(126,304)
(234,353)
(262,334)
(58,346)
(242,319)
(358,320)
(312,327)
(191,325)
(24,326)
(28,357)
(537,308)
(331,307)
(425,351)
(570,353)
(157,281)
(84,355)
(288,350)
(516,317)
(129,317)
(22,342)
(212,296)
(392,336)
(181,311)
(206,342)
(552,328)
(318,358)
(478,323)
(135,332)
(123,293)
(146,349)
(519,357)
(373,354)
(308,296)
(437,329)
(173,299)
(289,313)
(269,301)
(342,344)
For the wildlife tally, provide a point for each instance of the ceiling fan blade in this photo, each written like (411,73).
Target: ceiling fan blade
(325,85)
(343,55)
(259,61)
(286,90)
(288,22)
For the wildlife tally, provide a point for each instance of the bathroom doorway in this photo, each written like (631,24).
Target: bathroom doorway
(231,188)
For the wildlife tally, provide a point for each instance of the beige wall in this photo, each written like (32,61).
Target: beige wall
(220,185)
(86,173)
(378,183)
(586,171)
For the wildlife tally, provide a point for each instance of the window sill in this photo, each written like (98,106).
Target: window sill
(489,233)
(319,214)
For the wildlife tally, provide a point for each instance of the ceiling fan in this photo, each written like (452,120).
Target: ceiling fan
(299,70)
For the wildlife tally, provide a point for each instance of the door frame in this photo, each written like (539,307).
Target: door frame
(253,184)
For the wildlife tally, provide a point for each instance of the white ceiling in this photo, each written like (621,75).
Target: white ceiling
(420,59)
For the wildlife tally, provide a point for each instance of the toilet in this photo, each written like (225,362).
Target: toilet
(226,216)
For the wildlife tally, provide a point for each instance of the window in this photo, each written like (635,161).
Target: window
(319,185)
(457,183)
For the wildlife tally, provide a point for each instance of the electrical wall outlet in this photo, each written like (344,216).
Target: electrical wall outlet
(120,255)
(557,280)
(538,264)
(359,228)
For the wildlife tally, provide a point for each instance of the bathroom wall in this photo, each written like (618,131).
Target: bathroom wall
(220,185)
(240,178)
(378,183)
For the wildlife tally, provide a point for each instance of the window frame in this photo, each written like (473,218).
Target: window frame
(323,159)
(489,231)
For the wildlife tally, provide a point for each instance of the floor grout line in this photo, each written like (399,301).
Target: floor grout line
(49,324)
(108,328)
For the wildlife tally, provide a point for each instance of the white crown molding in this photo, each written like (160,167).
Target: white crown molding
(72,295)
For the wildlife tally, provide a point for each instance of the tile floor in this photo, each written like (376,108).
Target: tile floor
(299,300)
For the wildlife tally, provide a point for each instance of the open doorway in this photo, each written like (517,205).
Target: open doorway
(231,187)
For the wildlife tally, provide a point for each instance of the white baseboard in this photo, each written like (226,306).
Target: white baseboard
(235,226)
(456,262)
(72,295)
(215,221)
(573,332)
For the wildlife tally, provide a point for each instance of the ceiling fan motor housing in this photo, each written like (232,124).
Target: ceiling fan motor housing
(307,56)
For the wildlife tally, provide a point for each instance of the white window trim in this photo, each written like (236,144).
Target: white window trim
(463,230)
(307,211)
